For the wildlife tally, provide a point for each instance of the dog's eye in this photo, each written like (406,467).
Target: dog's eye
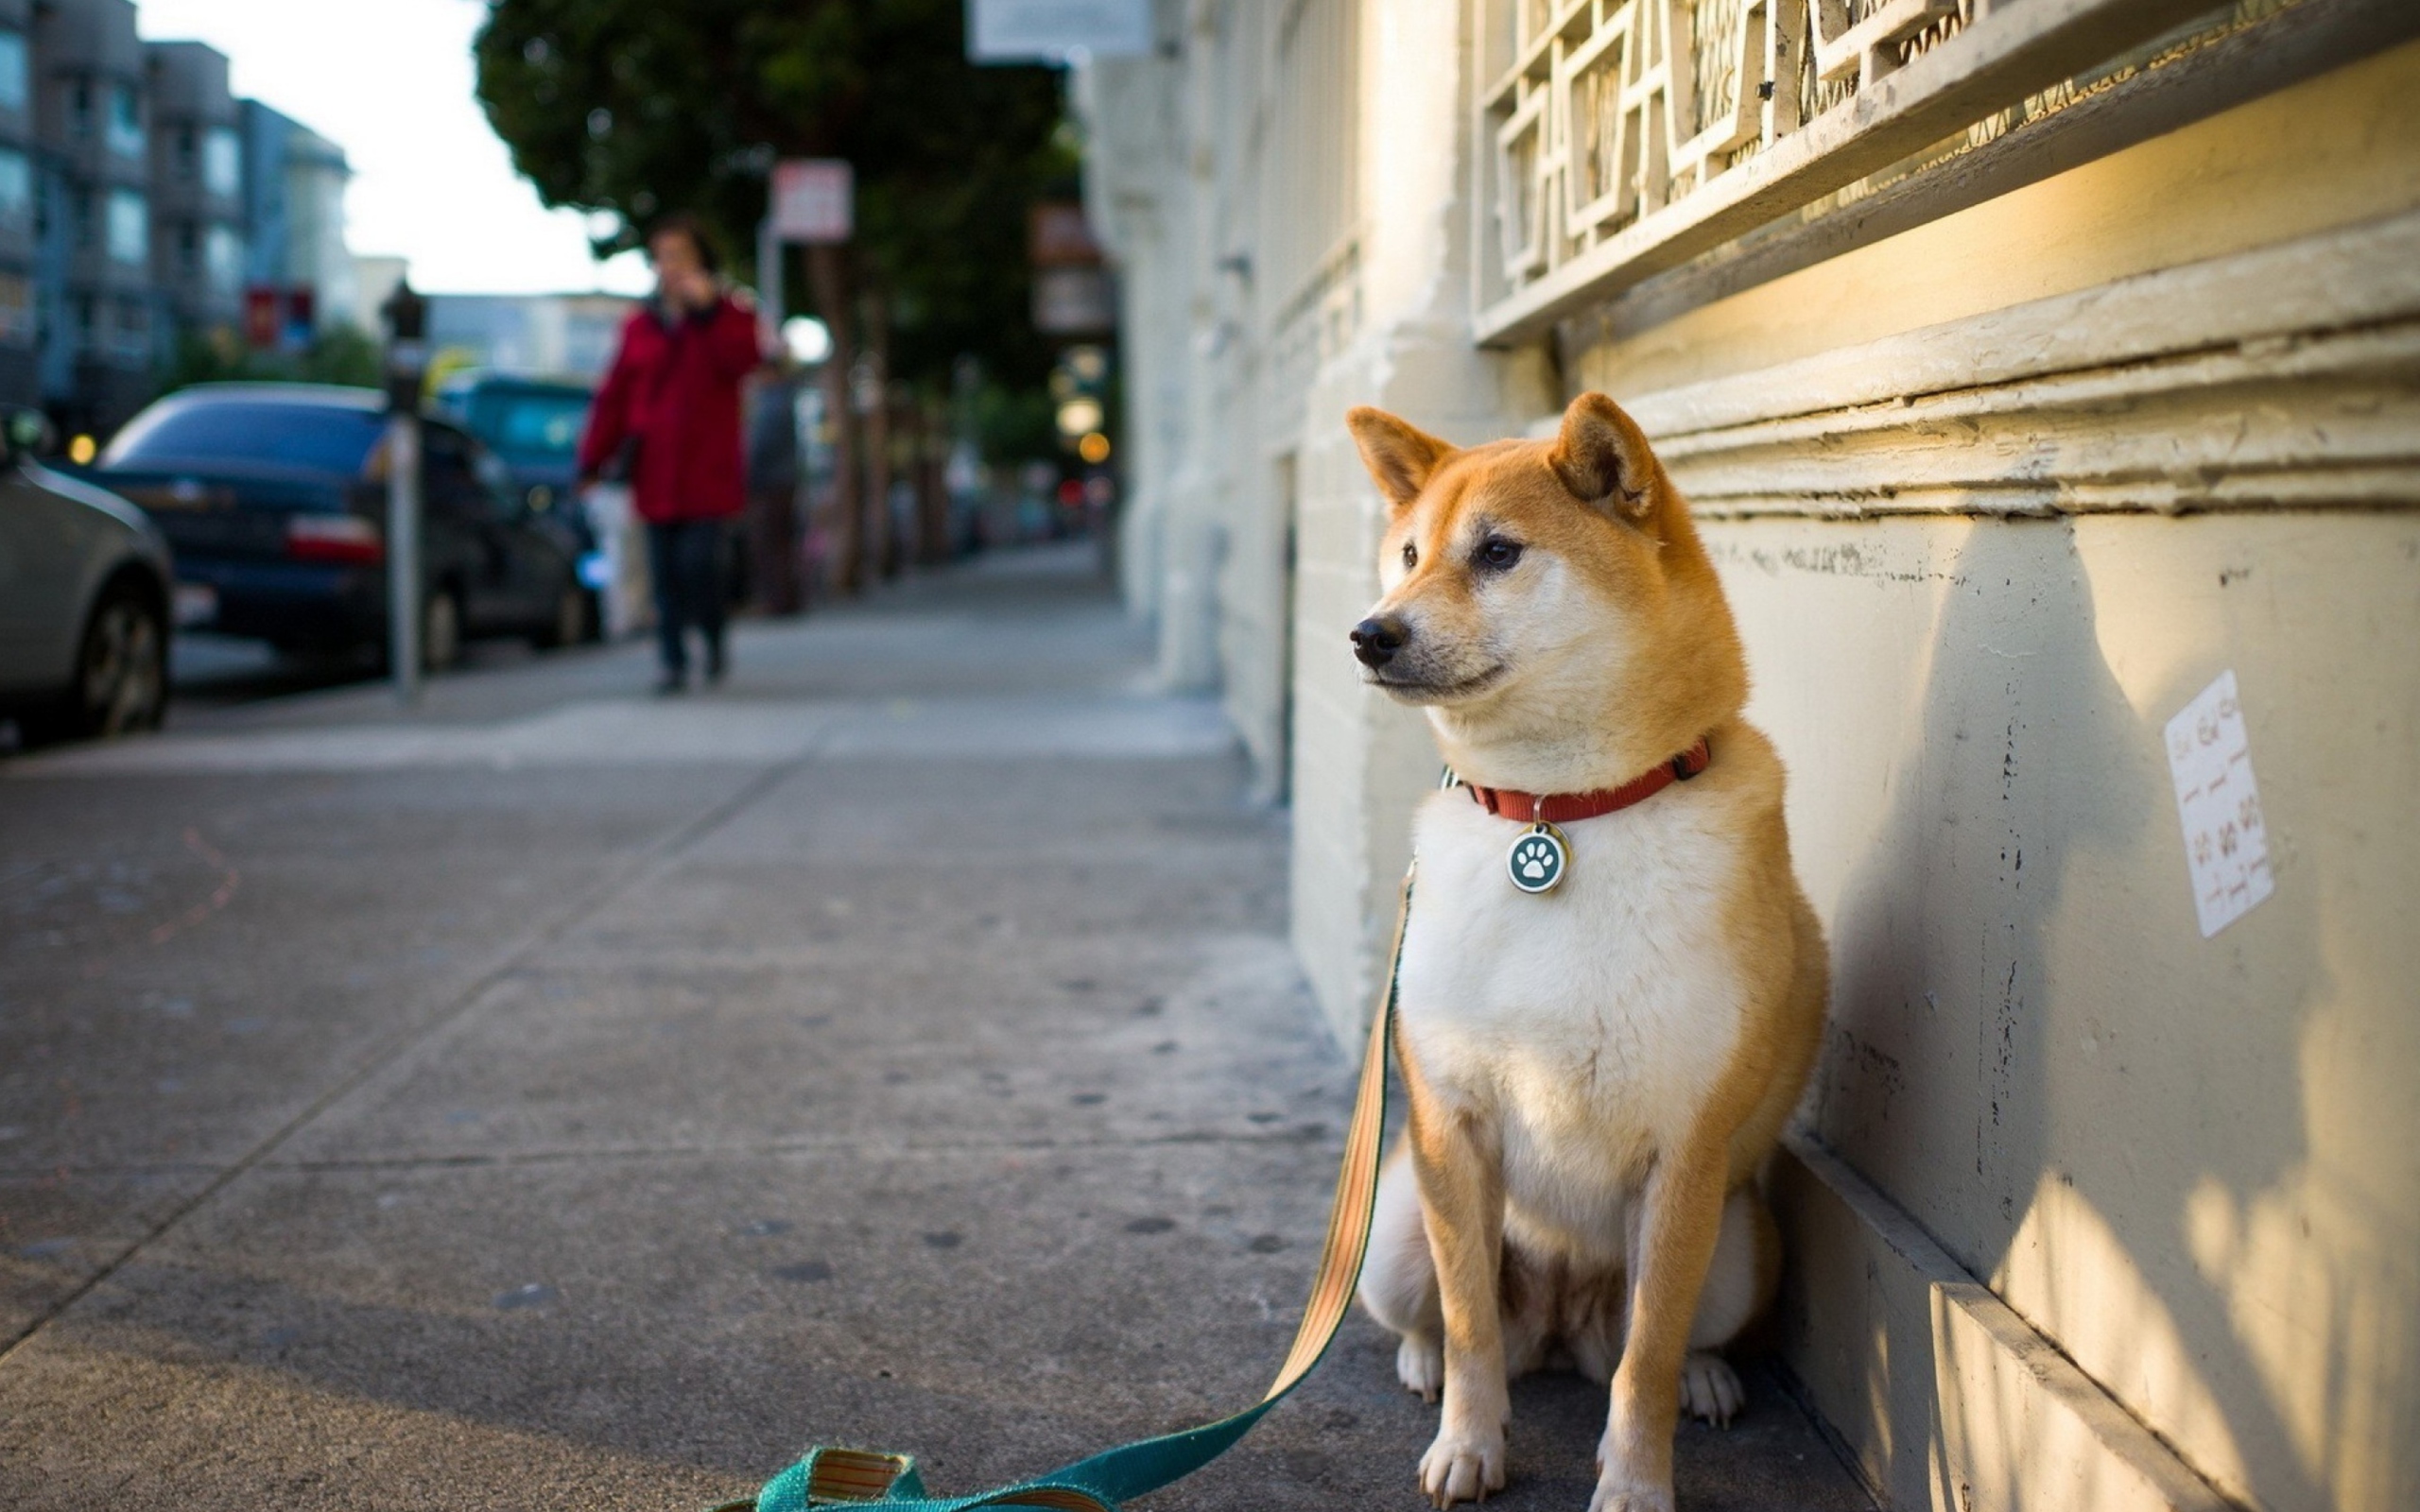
(1410,555)
(1496,554)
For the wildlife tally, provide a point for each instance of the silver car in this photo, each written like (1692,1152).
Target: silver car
(86,599)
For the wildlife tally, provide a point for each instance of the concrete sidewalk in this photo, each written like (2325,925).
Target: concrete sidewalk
(562,1099)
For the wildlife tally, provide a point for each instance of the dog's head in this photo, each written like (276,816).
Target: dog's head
(1535,586)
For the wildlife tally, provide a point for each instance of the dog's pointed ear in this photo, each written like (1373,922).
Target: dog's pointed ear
(1602,457)
(1401,458)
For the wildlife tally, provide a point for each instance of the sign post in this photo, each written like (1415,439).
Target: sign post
(406,316)
(811,200)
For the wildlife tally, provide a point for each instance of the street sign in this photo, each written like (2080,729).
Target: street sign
(1057,31)
(1056,236)
(813,200)
(1073,301)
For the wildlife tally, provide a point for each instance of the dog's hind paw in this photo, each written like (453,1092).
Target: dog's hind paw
(1710,1388)
(1420,1365)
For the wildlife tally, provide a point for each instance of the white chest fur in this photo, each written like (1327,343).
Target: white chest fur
(1587,1024)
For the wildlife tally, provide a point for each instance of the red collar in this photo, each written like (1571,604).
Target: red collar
(1565,808)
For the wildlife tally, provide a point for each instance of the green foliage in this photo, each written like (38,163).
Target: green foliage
(1015,425)
(340,354)
(638,107)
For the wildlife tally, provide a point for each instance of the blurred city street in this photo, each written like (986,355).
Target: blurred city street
(561,1098)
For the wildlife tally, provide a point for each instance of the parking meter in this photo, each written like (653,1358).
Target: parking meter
(406,316)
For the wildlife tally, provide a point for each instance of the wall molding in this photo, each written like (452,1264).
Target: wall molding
(2284,377)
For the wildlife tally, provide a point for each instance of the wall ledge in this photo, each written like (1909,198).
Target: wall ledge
(1889,1336)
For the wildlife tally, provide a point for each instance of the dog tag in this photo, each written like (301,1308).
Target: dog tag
(1539,858)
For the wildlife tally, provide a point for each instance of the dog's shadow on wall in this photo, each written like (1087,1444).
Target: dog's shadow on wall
(2002,1058)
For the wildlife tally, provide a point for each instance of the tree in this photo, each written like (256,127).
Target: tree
(634,108)
(339,355)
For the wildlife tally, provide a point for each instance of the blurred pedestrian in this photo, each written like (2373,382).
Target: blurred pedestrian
(668,422)
(772,489)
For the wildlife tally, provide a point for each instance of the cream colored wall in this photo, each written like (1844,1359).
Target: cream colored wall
(2190,1162)
(1136,202)
(1941,473)
(2341,148)
(1394,332)
(1361,762)
(2193,1165)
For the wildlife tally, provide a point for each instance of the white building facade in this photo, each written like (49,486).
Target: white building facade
(2033,367)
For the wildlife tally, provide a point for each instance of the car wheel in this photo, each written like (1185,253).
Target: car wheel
(440,632)
(569,626)
(121,672)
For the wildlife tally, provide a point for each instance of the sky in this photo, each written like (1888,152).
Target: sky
(390,81)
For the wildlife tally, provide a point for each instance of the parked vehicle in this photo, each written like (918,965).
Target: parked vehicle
(274,498)
(533,425)
(84,599)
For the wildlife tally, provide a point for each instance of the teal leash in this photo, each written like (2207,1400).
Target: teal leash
(828,1475)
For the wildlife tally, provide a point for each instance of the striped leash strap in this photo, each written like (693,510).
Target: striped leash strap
(854,1477)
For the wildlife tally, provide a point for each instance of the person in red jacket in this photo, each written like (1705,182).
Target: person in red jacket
(666,421)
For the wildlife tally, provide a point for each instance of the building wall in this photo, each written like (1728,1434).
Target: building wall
(197,214)
(132,236)
(316,255)
(88,67)
(539,335)
(20,218)
(294,221)
(2007,449)
(2185,1161)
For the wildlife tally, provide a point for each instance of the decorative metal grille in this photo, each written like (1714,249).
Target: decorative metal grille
(1622,136)
(1614,108)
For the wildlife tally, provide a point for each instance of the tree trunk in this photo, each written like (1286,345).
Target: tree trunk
(880,549)
(932,484)
(827,270)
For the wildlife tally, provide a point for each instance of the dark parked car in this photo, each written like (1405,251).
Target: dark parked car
(274,498)
(84,599)
(532,425)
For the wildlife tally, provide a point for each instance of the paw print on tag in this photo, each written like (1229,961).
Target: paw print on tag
(1536,861)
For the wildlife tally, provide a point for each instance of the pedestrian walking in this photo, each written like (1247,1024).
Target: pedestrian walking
(666,421)
(773,469)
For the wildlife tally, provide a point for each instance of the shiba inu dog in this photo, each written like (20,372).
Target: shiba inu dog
(1603,1036)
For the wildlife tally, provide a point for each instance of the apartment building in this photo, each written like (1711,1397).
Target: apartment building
(197,187)
(299,273)
(20,215)
(141,204)
(2045,375)
(93,287)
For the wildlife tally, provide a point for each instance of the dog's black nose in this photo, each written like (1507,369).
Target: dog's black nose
(1376,641)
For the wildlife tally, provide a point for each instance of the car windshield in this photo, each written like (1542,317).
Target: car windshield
(531,427)
(328,438)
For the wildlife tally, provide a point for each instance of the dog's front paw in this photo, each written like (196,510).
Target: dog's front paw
(1420,1365)
(1616,1493)
(1710,1388)
(1463,1467)
(1621,1488)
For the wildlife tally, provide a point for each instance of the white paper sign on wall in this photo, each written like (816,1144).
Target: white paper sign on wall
(2227,841)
